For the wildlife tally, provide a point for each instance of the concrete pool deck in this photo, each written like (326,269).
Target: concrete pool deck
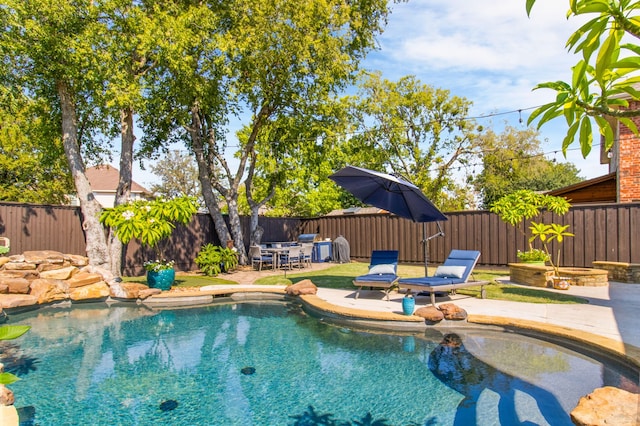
(610,321)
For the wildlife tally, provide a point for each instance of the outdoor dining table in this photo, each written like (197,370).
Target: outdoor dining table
(276,252)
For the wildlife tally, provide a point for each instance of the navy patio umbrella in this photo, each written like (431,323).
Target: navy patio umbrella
(393,194)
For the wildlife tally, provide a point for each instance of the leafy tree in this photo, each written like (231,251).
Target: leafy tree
(298,175)
(49,47)
(179,176)
(416,131)
(85,60)
(604,81)
(258,62)
(518,206)
(31,170)
(150,222)
(513,160)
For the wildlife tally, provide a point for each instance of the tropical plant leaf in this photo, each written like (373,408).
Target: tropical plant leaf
(9,332)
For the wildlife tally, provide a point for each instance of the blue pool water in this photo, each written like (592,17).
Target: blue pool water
(270,364)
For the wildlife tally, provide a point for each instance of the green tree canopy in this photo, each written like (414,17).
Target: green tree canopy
(604,80)
(260,63)
(178,175)
(415,131)
(32,164)
(513,160)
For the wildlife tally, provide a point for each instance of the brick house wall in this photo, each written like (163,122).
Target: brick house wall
(625,161)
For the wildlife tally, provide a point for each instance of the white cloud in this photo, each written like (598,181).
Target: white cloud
(488,52)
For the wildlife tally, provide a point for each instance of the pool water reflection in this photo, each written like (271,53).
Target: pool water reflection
(270,364)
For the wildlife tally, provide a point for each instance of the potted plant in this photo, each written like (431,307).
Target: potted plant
(151,223)
(547,233)
(521,205)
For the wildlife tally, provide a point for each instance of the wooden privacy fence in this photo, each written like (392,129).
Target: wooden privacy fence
(602,232)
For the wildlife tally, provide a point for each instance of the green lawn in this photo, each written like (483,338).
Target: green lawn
(341,276)
(186,280)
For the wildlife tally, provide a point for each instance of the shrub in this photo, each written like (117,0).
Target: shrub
(533,255)
(214,259)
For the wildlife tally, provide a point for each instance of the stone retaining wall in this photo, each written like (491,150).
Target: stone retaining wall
(621,271)
(46,276)
(540,276)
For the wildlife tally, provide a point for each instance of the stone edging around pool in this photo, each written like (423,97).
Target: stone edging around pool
(389,320)
(392,321)
(379,319)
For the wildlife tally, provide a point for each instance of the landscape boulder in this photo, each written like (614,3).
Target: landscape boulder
(6,396)
(43,256)
(60,274)
(49,290)
(126,290)
(16,285)
(452,312)
(17,300)
(84,279)
(91,292)
(301,288)
(429,313)
(607,406)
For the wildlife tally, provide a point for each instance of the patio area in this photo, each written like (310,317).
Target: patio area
(608,321)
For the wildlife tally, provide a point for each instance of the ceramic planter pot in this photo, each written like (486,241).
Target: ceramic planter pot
(408,304)
(561,283)
(161,279)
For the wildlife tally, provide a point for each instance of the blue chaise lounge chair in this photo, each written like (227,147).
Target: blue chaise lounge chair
(453,274)
(383,270)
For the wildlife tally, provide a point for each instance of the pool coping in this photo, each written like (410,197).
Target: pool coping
(382,320)
(386,320)
(393,321)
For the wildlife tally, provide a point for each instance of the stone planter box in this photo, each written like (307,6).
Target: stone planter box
(621,271)
(540,276)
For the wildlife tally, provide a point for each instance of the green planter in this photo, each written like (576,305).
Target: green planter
(161,279)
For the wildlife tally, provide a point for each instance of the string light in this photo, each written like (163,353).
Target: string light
(519,111)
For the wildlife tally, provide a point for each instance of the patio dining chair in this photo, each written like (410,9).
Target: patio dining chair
(307,254)
(259,258)
(292,257)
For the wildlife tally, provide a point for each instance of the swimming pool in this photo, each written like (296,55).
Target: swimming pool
(270,364)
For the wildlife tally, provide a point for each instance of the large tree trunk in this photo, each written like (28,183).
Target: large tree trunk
(236,229)
(96,244)
(123,192)
(255,230)
(210,200)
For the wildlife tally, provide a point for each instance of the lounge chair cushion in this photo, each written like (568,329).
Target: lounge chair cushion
(450,271)
(431,281)
(375,278)
(382,269)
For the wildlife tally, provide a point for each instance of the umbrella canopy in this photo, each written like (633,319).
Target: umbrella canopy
(393,194)
(388,192)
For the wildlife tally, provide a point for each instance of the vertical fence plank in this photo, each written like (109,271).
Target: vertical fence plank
(603,232)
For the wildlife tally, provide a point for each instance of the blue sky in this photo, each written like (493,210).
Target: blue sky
(487,51)
(491,53)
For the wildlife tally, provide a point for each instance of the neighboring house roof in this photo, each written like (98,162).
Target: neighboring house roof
(356,210)
(597,190)
(104,178)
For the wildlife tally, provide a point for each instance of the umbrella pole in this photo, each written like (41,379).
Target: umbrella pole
(425,248)
(425,242)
